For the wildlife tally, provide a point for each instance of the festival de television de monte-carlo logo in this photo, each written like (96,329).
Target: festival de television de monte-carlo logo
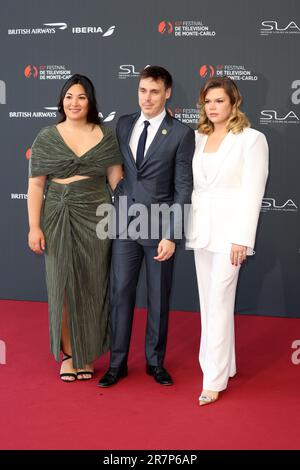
(234,71)
(185,28)
(47,72)
(189,115)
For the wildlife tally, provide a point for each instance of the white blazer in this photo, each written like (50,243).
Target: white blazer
(226,205)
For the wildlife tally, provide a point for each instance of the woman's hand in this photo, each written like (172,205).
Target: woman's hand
(36,240)
(238,254)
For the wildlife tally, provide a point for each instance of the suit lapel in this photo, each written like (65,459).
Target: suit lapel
(200,144)
(161,135)
(131,124)
(222,154)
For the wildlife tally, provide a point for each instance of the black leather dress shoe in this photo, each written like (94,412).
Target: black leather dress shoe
(112,376)
(159,374)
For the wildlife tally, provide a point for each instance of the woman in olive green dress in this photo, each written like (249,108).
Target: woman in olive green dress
(73,160)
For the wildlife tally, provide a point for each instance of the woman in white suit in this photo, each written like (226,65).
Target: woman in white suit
(230,169)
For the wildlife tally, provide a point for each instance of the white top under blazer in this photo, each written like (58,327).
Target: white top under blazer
(226,203)
(209,162)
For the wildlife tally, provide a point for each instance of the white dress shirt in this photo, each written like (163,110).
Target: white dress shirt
(138,129)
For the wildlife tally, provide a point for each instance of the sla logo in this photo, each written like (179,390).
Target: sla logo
(165,27)
(207,71)
(296,95)
(270,204)
(31,71)
(271,27)
(128,71)
(108,118)
(2,92)
(270,116)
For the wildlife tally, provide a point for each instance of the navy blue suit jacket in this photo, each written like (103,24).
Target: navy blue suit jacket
(165,175)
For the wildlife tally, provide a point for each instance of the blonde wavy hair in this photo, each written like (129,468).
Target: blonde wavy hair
(237,121)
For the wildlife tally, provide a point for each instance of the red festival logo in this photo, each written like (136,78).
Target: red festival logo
(170,112)
(207,71)
(28,153)
(31,71)
(165,27)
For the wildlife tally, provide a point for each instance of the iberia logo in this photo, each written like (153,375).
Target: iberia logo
(207,71)
(31,71)
(28,153)
(165,27)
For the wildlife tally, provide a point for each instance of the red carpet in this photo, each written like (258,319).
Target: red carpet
(259,410)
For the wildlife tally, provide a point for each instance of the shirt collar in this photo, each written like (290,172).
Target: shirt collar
(155,121)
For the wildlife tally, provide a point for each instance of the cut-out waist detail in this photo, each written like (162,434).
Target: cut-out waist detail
(70,180)
(93,186)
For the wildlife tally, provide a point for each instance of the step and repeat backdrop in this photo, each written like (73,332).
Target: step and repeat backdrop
(255,42)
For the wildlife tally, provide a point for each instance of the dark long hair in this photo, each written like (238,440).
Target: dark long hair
(93,114)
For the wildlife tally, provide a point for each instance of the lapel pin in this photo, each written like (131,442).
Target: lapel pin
(164,131)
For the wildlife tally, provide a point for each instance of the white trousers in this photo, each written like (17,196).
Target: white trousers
(217,280)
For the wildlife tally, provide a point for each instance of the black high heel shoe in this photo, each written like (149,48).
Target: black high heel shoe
(85,372)
(67,374)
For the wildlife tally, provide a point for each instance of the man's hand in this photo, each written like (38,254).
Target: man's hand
(165,250)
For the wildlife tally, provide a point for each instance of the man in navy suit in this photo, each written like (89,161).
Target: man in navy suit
(157,151)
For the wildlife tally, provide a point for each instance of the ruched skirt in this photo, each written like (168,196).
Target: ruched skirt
(77,268)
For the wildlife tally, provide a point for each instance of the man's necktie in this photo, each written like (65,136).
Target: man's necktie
(141,145)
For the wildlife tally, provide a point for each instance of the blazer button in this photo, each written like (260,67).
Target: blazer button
(133,199)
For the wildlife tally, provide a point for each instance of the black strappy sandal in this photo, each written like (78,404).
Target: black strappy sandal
(85,372)
(67,374)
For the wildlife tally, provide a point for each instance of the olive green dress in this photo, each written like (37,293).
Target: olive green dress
(77,261)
